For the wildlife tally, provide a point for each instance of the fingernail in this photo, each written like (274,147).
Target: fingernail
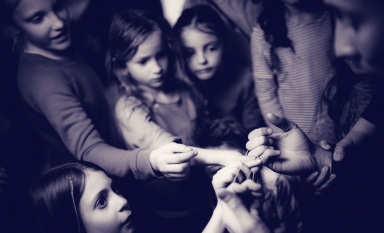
(278,152)
(325,169)
(270,141)
(269,130)
(338,157)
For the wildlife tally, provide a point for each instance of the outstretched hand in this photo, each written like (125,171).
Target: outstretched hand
(292,152)
(173,161)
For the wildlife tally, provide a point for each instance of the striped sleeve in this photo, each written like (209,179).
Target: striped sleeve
(265,85)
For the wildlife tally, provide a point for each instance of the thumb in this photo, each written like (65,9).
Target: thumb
(231,199)
(281,122)
(341,147)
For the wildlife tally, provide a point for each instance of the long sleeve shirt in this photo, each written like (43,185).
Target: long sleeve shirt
(64,100)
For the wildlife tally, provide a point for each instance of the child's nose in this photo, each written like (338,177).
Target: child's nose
(156,69)
(343,43)
(57,22)
(201,58)
(122,203)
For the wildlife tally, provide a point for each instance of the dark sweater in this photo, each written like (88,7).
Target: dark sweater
(64,100)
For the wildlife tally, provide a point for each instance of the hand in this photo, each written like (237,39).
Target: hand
(238,217)
(3,179)
(362,131)
(173,161)
(297,153)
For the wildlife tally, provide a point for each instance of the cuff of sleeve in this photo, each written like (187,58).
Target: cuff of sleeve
(142,168)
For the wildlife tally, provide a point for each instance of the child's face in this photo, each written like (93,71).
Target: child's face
(101,209)
(149,65)
(44,25)
(203,52)
(360,33)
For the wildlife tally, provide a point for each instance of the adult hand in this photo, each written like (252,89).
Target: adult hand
(292,153)
(362,131)
(173,161)
(321,180)
(3,179)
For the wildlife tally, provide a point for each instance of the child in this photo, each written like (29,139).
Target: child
(227,84)
(64,99)
(81,197)
(280,211)
(293,60)
(158,106)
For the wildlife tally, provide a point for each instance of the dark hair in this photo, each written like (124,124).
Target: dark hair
(203,18)
(7,25)
(222,131)
(206,20)
(272,21)
(337,94)
(128,30)
(54,206)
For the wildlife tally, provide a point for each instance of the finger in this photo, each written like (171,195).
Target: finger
(180,157)
(339,153)
(234,203)
(253,186)
(325,145)
(254,164)
(268,154)
(323,177)
(237,188)
(176,168)
(258,141)
(176,148)
(329,182)
(259,132)
(311,178)
(281,122)
(256,152)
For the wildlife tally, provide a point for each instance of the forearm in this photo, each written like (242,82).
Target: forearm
(322,158)
(214,157)
(215,224)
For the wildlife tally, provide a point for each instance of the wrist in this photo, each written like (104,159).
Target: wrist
(152,159)
(323,157)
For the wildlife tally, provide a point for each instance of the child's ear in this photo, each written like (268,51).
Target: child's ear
(120,72)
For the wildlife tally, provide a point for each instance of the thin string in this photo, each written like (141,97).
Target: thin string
(74,205)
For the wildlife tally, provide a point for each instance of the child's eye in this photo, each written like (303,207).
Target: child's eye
(101,203)
(212,48)
(36,19)
(189,53)
(142,62)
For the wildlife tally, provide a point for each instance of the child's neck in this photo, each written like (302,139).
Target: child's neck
(160,96)
(304,14)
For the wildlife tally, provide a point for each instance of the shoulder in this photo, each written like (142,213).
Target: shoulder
(126,105)
(35,72)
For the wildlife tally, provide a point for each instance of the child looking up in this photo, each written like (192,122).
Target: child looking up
(292,60)
(81,197)
(64,99)
(227,84)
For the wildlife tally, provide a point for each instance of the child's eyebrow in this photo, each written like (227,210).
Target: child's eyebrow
(33,14)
